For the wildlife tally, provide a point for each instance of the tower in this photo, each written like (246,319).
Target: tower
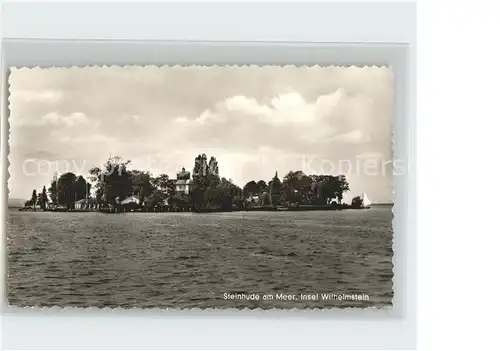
(275,190)
(183,182)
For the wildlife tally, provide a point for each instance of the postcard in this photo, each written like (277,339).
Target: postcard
(217,187)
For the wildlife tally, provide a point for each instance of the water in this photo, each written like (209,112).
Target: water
(185,260)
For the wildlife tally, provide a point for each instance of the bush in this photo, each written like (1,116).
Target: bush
(357,202)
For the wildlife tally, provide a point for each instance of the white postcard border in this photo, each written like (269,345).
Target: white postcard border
(137,329)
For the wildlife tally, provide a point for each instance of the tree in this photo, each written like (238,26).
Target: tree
(156,198)
(81,188)
(357,202)
(205,176)
(264,199)
(113,181)
(213,172)
(228,192)
(141,184)
(161,187)
(251,188)
(222,195)
(326,188)
(43,199)
(96,177)
(66,194)
(200,169)
(33,200)
(239,202)
(262,185)
(212,197)
(200,172)
(329,187)
(296,188)
(180,201)
(164,183)
(53,190)
(341,187)
(289,194)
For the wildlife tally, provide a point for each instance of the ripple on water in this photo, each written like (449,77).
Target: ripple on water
(188,260)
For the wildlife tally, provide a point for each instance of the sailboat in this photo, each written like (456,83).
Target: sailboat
(366,201)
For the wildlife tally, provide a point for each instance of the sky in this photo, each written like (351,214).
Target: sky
(254,120)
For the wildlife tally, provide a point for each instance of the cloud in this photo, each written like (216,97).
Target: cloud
(355,136)
(256,120)
(286,121)
(289,108)
(73,119)
(181,119)
(42,155)
(90,139)
(33,95)
(54,120)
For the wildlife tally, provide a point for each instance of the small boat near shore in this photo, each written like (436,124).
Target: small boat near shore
(366,201)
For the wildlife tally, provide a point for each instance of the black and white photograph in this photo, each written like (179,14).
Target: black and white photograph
(210,187)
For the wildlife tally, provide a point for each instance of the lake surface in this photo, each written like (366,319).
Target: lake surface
(187,260)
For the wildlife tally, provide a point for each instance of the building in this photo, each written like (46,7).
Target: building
(86,204)
(131,200)
(183,182)
(80,204)
(254,199)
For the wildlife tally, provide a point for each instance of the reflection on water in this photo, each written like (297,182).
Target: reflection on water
(184,260)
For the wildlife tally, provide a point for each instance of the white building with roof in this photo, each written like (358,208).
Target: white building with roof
(131,200)
(183,182)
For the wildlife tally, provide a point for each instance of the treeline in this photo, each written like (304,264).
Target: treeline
(207,189)
(298,188)
(115,181)
(39,199)
(64,190)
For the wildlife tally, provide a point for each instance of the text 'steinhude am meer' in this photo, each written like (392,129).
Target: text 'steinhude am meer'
(201,187)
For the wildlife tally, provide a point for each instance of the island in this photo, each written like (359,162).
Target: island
(117,188)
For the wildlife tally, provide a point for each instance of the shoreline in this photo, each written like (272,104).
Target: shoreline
(208,210)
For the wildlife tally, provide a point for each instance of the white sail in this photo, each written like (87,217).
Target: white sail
(366,200)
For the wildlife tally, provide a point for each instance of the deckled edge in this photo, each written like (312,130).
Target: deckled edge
(119,309)
(190,66)
(7,97)
(393,182)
